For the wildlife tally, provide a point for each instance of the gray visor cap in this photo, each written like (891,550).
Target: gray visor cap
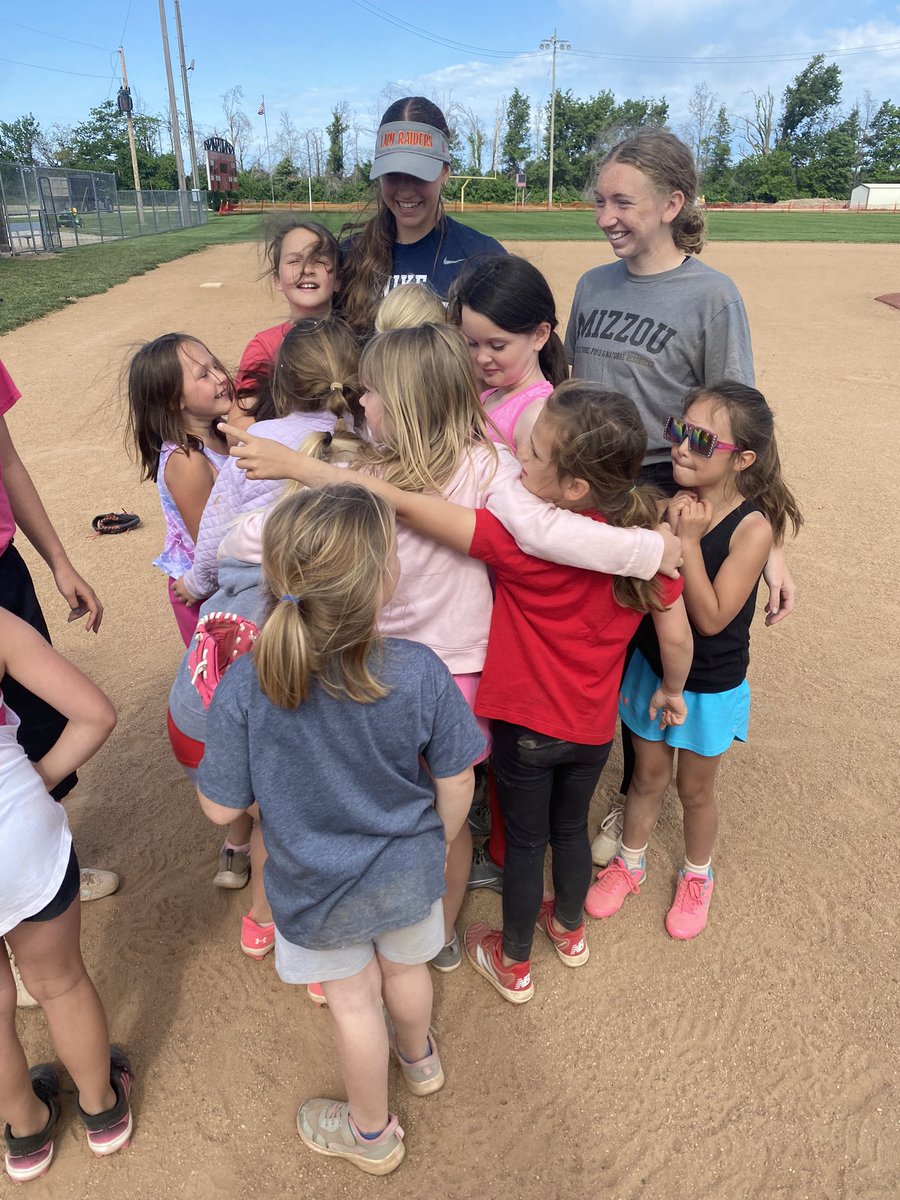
(408,148)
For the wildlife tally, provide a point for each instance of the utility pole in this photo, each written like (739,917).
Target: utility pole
(553,44)
(262,113)
(125,106)
(195,172)
(173,111)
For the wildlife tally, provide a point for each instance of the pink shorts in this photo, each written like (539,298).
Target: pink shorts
(468,685)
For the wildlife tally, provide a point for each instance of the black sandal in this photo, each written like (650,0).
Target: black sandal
(115,522)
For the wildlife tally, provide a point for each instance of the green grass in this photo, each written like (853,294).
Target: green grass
(32,287)
(723,226)
(803,227)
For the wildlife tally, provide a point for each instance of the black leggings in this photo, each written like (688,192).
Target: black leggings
(40,723)
(545,787)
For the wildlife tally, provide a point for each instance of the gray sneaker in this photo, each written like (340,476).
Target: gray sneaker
(234,869)
(484,873)
(449,958)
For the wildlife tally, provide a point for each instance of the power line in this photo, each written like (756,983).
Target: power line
(56,70)
(45,33)
(439,40)
(124,23)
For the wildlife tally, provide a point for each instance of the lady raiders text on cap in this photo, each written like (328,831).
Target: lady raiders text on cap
(408,148)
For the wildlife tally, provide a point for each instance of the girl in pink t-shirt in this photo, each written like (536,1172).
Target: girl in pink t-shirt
(507,314)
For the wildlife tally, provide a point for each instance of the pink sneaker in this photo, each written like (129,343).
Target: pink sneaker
(570,944)
(690,909)
(607,894)
(484,952)
(316,993)
(256,940)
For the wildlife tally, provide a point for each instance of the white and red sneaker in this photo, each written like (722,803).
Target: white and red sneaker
(570,944)
(484,951)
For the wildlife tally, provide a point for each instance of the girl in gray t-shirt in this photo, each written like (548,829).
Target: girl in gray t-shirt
(357,752)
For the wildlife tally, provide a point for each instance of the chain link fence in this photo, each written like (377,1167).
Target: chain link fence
(51,208)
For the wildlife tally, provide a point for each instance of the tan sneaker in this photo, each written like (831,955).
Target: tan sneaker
(327,1127)
(95,884)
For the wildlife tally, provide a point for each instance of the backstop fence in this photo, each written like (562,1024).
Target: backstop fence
(51,208)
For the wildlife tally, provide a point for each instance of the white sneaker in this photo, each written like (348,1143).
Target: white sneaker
(608,842)
(95,884)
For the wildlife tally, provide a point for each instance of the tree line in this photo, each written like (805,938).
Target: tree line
(807,144)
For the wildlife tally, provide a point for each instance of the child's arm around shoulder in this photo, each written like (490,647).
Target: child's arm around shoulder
(713,604)
(190,479)
(36,665)
(545,531)
(263,459)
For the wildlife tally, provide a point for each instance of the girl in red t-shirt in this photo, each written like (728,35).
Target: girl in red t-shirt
(302,262)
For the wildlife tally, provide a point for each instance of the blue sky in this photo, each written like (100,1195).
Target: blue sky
(351,49)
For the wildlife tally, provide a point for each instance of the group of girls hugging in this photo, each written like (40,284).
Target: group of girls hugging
(419,557)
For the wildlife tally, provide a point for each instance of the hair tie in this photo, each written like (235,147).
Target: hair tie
(336,386)
(289,599)
(633,488)
(327,438)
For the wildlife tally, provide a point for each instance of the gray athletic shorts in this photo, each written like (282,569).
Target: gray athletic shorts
(413,944)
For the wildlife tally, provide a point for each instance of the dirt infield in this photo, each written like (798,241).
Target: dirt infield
(759,1061)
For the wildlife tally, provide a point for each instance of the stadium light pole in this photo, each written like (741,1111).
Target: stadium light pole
(553,44)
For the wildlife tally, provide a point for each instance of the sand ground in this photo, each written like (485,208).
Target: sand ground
(758,1061)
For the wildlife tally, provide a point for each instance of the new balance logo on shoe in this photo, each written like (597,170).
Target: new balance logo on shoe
(523,983)
(578,947)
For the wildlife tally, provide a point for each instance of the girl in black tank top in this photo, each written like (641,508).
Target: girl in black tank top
(732,508)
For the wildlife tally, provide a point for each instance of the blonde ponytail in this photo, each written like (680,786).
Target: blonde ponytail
(325,554)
